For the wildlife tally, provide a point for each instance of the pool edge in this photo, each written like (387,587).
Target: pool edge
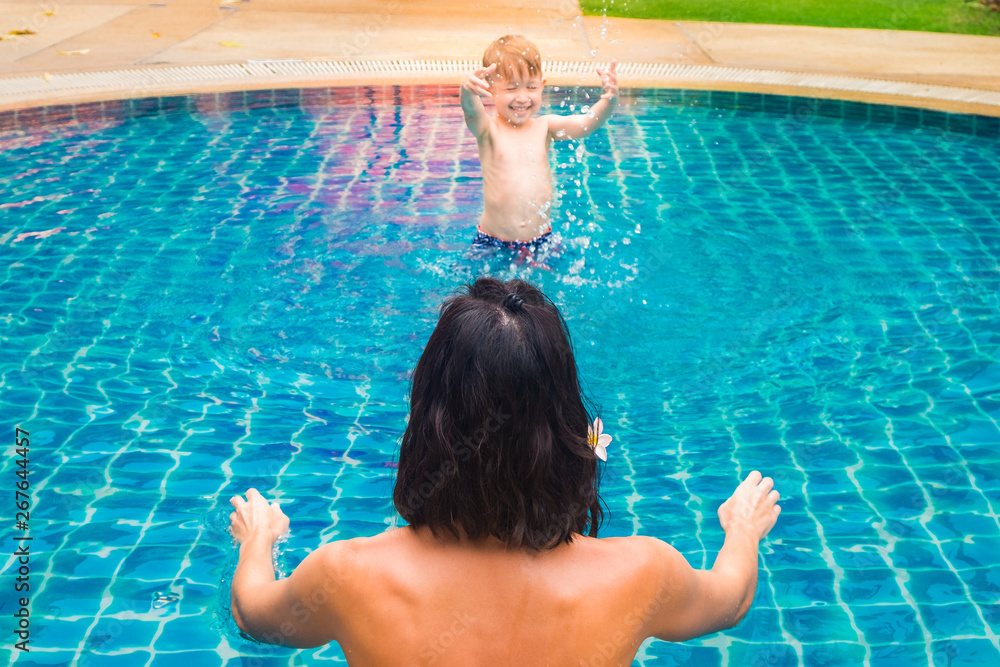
(141,82)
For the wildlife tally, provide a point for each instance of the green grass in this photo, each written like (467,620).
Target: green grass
(959,16)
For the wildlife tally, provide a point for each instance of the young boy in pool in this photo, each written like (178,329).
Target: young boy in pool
(514,144)
(500,563)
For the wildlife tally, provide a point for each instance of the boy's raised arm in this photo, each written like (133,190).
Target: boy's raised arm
(474,88)
(582,125)
(690,602)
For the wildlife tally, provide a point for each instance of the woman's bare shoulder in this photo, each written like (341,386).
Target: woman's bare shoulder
(355,548)
(353,563)
(639,547)
(637,557)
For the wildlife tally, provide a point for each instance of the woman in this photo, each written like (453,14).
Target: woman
(500,564)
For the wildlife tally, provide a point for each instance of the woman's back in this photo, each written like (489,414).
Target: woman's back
(408,597)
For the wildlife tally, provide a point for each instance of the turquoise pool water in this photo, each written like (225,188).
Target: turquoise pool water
(198,297)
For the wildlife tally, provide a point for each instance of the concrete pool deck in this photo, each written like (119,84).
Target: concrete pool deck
(85,50)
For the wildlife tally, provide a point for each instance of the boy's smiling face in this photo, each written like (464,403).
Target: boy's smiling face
(517,96)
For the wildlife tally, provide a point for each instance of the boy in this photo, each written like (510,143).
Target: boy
(514,144)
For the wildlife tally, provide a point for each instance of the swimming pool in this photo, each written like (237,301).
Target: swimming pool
(210,293)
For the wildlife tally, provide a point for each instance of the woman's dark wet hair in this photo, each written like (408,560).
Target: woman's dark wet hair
(497,442)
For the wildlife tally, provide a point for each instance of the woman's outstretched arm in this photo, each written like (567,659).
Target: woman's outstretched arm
(296,611)
(690,602)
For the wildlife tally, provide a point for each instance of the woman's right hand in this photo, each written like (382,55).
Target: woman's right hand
(254,517)
(753,506)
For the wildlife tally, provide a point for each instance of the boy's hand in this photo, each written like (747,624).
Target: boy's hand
(475,81)
(610,81)
(255,517)
(753,506)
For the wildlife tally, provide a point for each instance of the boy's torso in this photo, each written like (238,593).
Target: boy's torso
(517,179)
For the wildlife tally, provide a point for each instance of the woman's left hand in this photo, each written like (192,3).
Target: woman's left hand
(254,517)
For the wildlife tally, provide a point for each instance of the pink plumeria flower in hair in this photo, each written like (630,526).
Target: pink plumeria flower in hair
(598,439)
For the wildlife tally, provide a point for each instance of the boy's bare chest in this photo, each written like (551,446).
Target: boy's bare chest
(523,146)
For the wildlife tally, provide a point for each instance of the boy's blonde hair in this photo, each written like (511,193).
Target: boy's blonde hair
(513,54)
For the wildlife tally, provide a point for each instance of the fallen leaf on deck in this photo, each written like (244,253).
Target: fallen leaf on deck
(230,2)
(21,32)
(75,52)
(50,13)
(156,34)
(232,44)
(46,76)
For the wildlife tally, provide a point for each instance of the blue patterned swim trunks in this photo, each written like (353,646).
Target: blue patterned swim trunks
(484,240)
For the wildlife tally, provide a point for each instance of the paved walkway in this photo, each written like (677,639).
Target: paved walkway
(79,36)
